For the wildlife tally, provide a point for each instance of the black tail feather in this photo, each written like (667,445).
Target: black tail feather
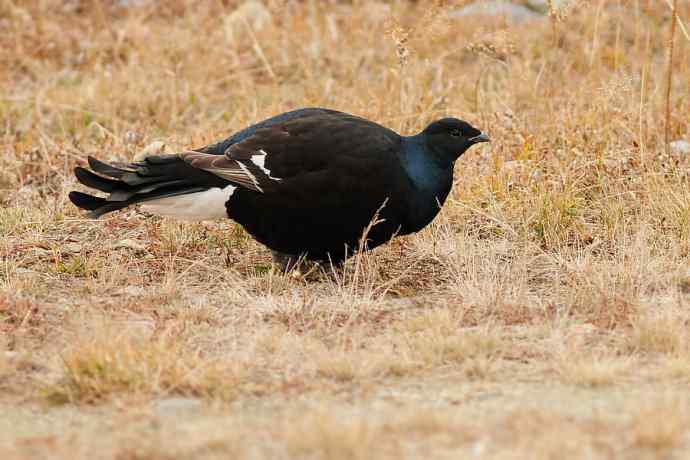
(88,202)
(151,179)
(106,169)
(97,206)
(91,180)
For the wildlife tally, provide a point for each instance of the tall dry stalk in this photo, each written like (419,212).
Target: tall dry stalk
(669,77)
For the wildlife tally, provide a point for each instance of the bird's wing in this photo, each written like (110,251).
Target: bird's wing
(298,146)
(220,147)
(245,173)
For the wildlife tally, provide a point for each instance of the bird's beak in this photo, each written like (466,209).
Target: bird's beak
(481,138)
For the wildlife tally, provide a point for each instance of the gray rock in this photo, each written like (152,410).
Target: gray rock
(154,148)
(72,247)
(22,270)
(543,5)
(132,291)
(132,3)
(175,406)
(251,13)
(129,244)
(132,137)
(680,147)
(511,11)
(42,252)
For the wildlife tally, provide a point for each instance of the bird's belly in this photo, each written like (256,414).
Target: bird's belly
(319,232)
(418,221)
(422,212)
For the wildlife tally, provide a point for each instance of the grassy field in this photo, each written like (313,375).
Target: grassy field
(543,315)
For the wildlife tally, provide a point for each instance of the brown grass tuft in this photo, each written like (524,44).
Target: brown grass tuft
(109,363)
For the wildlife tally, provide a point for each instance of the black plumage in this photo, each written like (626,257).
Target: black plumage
(304,183)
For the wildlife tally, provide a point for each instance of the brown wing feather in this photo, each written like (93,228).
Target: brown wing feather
(222,166)
(266,139)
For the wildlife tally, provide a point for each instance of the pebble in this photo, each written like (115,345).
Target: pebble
(681,146)
(133,291)
(132,137)
(129,244)
(511,11)
(251,13)
(154,148)
(543,5)
(72,247)
(174,406)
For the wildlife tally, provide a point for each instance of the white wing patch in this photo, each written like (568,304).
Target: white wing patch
(206,205)
(260,160)
(251,176)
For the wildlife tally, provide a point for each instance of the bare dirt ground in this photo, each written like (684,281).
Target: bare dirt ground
(544,314)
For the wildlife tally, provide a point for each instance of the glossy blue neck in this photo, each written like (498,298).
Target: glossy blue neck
(432,176)
(429,170)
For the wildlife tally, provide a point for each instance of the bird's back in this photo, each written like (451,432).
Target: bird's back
(328,116)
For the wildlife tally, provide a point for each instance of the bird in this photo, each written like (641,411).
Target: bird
(310,184)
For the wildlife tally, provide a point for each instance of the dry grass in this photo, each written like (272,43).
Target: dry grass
(660,424)
(538,317)
(109,363)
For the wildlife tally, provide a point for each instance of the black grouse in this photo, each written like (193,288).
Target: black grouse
(306,183)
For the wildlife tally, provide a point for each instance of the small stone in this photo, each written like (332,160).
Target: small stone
(154,148)
(542,6)
(117,159)
(511,11)
(72,247)
(251,13)
(132,137)
(680,147)
(132,3)
(129,244)
(42,252)
(175,406)
(133,291)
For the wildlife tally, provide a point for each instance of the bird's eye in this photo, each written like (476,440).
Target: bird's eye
(455,132)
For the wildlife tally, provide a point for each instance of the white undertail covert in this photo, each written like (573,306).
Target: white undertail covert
(206,205)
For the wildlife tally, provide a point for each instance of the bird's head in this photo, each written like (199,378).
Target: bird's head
(450,137)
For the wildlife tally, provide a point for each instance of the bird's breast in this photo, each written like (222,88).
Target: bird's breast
(423,208)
